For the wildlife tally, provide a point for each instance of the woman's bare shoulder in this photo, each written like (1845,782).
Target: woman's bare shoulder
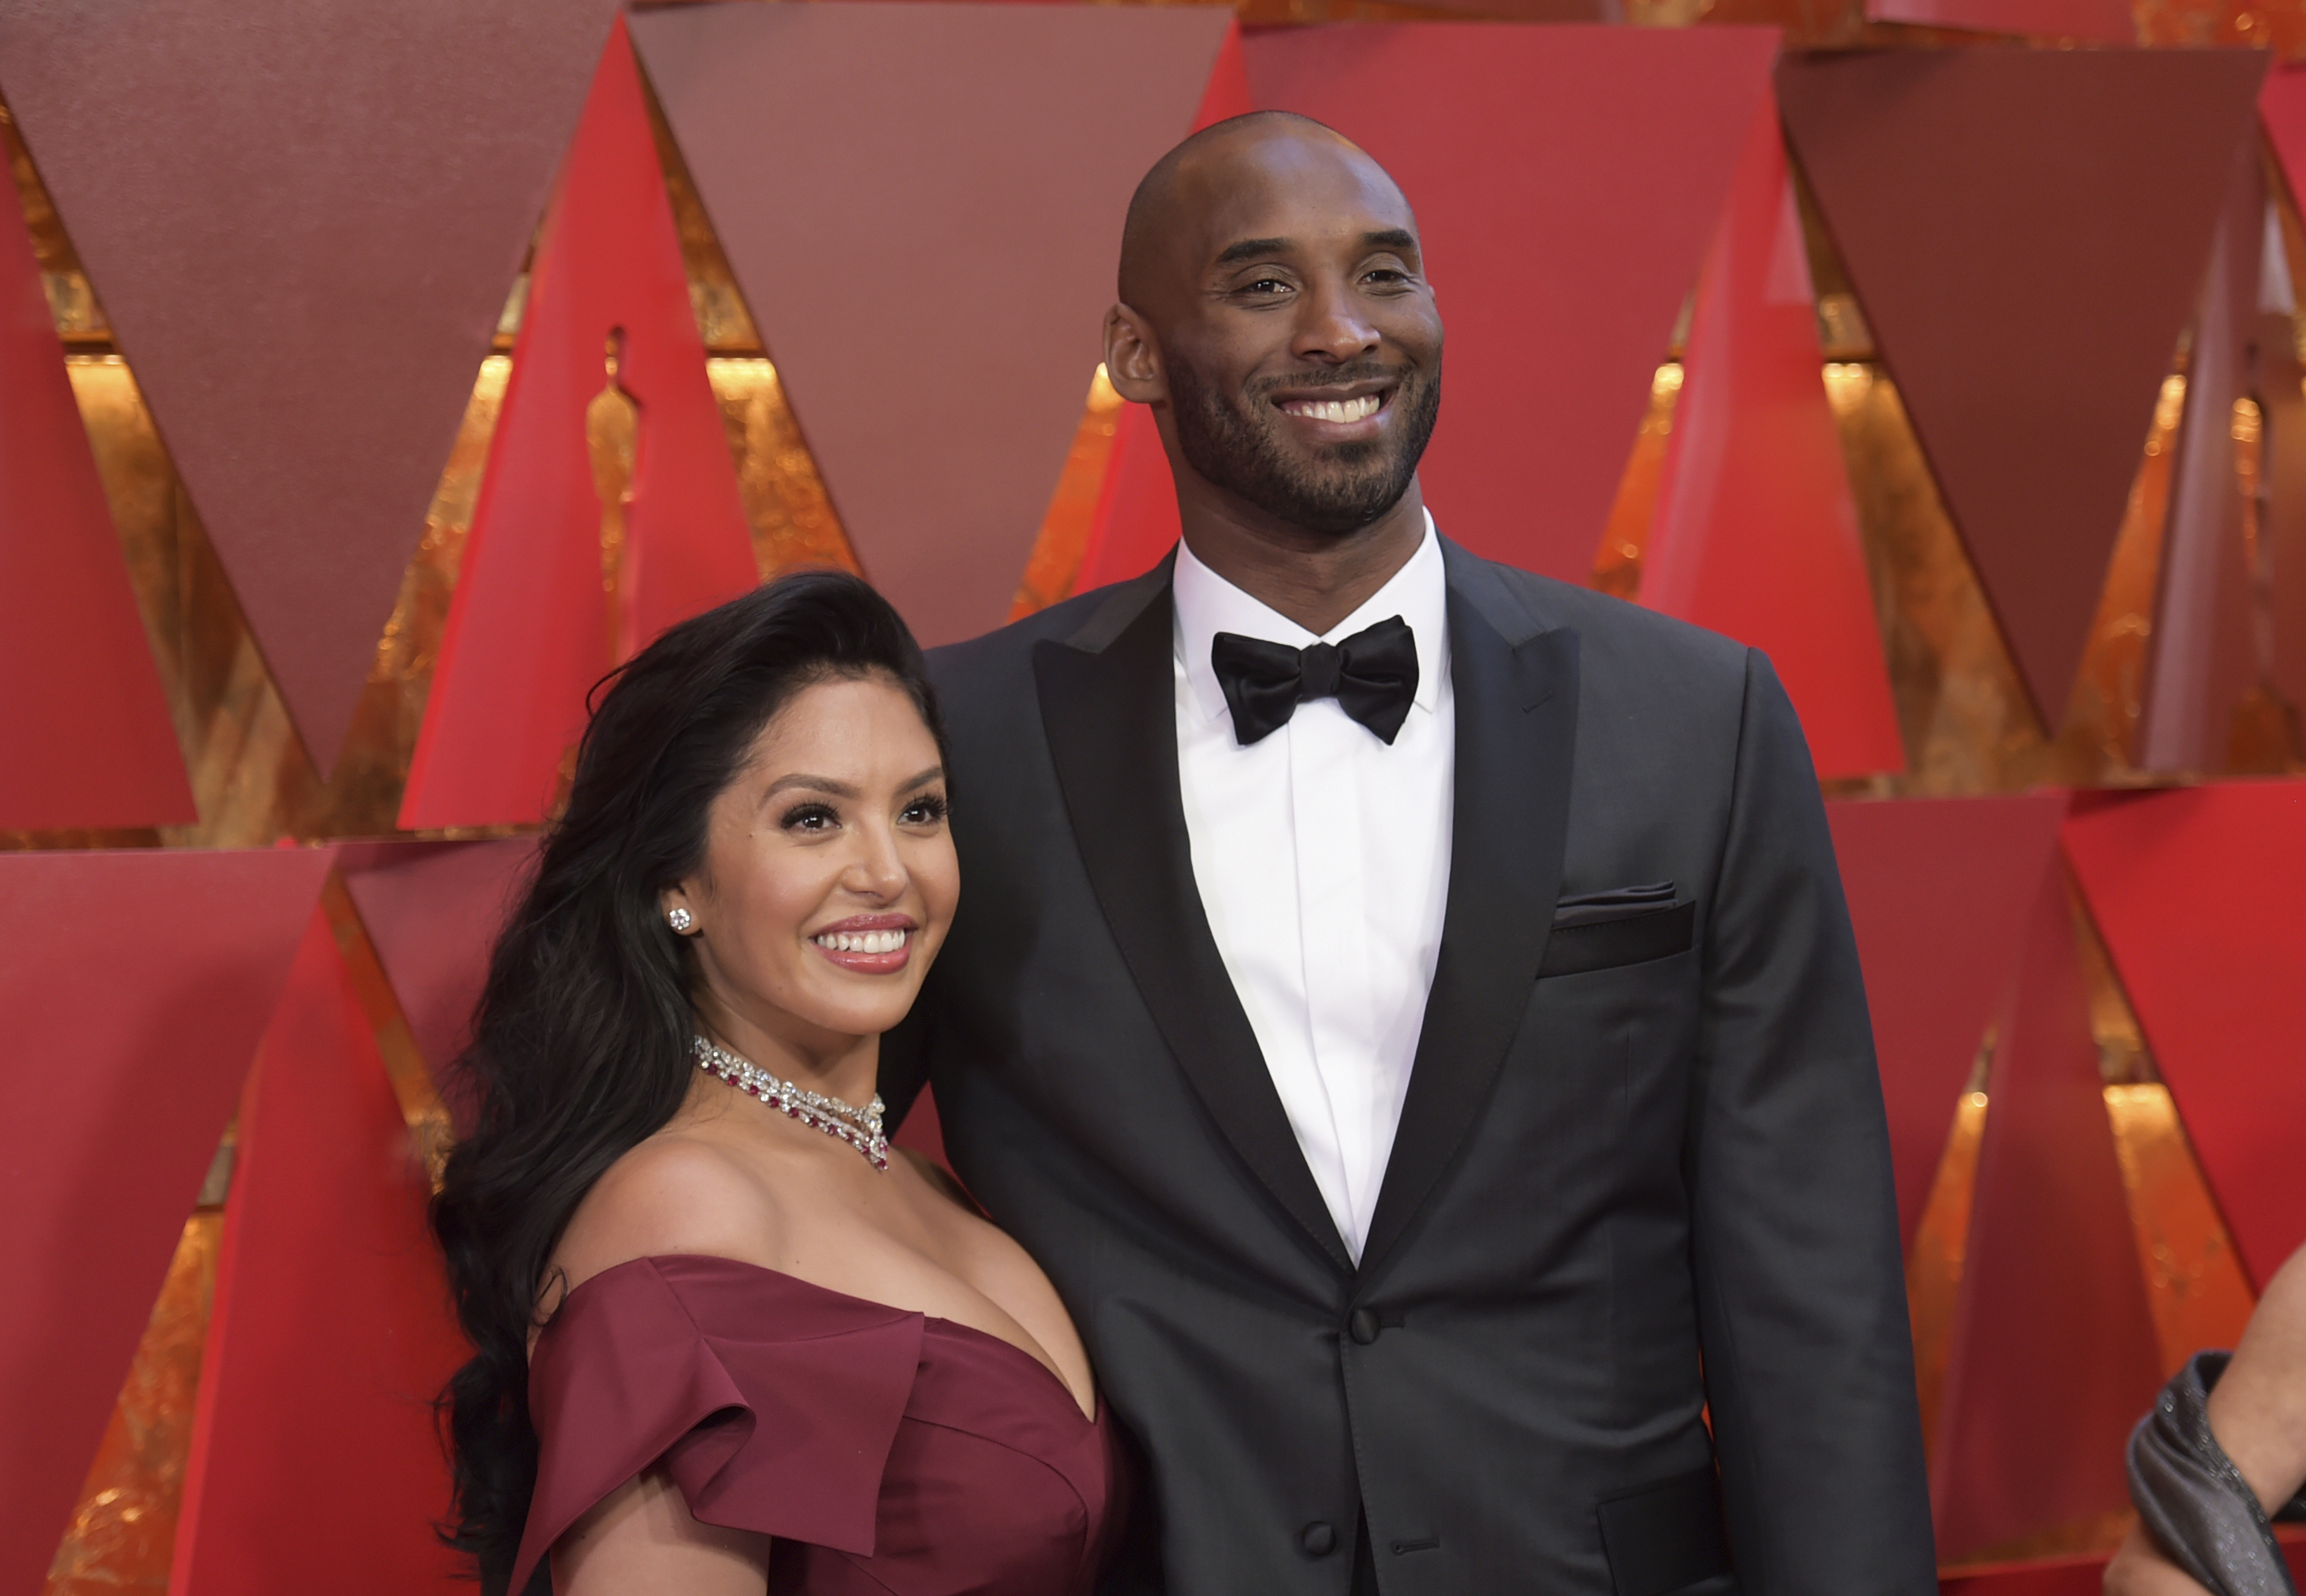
(673,1193)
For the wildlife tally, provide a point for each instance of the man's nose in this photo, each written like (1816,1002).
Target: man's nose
(1333,326)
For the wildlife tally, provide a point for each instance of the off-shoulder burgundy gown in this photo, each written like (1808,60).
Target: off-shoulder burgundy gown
(884,1450)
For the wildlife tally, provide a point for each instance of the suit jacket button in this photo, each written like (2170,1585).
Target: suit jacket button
(1363,1325)
(1318,1540)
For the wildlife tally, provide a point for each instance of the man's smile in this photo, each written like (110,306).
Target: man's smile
(1335,410)
(1340,407)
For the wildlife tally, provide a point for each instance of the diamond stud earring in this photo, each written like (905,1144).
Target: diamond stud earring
(680,919)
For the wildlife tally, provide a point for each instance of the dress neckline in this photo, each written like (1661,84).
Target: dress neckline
(951,1325)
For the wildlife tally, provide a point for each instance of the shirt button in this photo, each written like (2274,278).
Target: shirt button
(1363,1325)
(1318,1540)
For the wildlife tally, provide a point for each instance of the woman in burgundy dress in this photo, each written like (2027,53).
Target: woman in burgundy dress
(728,1340)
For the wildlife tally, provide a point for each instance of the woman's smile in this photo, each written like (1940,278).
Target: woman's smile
(867,944)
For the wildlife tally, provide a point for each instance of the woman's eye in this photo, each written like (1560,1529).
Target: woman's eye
(811,818)
(924,811)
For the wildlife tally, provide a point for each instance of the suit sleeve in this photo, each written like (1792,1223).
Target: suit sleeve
(905,1053)
(909,1048)
(1801,1286)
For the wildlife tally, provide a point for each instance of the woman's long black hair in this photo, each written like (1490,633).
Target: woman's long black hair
(580,1043)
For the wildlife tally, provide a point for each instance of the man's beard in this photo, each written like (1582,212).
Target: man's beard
(1237,446)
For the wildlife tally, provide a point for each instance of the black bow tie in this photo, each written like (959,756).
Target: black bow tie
(1373,675)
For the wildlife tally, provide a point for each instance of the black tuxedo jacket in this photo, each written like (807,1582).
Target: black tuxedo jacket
(1641,1169)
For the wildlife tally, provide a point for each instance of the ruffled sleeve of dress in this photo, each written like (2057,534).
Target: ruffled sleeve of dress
(771,1403)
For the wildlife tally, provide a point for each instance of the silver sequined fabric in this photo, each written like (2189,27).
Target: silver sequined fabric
(2192,1498)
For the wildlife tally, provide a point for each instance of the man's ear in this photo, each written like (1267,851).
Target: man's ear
(1133,359)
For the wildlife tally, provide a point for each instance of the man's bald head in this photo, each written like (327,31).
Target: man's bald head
(1275,315)
(1177,201)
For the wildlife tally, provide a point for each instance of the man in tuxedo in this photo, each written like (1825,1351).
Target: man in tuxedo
(1407,1004)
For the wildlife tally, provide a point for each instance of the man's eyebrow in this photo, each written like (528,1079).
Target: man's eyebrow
(1390,238)
(1249,249)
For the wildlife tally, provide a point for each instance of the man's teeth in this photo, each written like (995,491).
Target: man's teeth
(1336,410)
(860,942)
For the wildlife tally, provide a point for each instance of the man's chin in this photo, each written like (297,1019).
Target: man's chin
(1344,502)
(1336,518)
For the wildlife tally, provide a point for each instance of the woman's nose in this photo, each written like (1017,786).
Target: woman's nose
(878,871)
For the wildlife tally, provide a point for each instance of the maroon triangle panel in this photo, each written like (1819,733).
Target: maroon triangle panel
(923,205)
(301,220)
(2197,892)
(433,911)
(2199,660)
(528,632)
(1519,147)
(330,1328)
(85,737)
(1135,523)
(2026,230)
(2282,111)
(2054,1355)
(2282,507)
(1756,533)
(1938,890)
(133,988)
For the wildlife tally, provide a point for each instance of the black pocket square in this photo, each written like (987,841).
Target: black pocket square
(1614,904)
(1622,926)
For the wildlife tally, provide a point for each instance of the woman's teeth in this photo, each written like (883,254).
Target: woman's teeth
(860,942)
(1336,410)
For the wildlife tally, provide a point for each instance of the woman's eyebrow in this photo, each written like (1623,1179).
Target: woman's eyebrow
(813,783)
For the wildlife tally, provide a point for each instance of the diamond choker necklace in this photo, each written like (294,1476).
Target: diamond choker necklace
(860,1128)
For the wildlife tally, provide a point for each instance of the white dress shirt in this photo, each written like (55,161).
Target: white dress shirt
(1322,857)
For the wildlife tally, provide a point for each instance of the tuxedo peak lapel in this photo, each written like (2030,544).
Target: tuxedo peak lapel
(1109,706)
(1516,693)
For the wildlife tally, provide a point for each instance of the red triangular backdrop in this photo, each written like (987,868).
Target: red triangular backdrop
(85,739)
(1939,890)
(838,148)
(2030,1440)
(301,220)
(1136,520)
(1519,147)
(1135,523)
(528,631)
(2060,1577)
(2200,655)
(134,987)
(2197,892)
(1756,533)
(433,911)
(2282,109)
(314,1461)
(2082,1575)
(2028,231)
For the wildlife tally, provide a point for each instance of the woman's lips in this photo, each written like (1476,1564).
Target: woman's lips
(870,945)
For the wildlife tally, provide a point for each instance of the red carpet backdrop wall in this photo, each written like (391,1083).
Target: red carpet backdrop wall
(372,379)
